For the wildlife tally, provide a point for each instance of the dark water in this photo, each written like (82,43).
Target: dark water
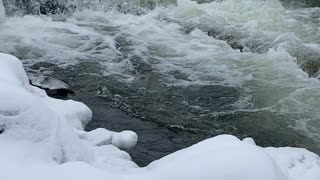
(162,120)
(155,141)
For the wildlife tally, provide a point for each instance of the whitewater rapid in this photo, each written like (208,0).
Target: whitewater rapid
(188,46)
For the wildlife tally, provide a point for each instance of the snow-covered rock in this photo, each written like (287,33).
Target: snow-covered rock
(53,87)
(44,138)
(48,82)
(100,136)
(125,139)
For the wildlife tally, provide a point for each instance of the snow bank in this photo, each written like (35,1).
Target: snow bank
(27,114)
(43,138)
(226,157)
(223,157)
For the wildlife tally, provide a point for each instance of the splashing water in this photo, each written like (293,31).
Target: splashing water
(241,67)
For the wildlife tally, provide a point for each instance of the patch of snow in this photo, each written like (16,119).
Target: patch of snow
(223,157)
(297,163)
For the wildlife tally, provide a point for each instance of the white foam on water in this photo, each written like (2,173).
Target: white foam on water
(276,40)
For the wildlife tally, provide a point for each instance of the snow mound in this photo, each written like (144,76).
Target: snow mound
(27,114)
(297,163)
(100,136)
(223,157)
(44,138)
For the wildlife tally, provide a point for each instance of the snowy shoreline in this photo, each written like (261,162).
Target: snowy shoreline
(44,138)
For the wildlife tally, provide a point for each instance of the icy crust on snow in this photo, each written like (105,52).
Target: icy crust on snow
(44,138)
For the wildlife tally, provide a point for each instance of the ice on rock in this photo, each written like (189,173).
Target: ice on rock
(48,82)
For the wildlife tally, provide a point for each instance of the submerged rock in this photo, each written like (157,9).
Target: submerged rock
(312,68)
(53,87)
(232,40)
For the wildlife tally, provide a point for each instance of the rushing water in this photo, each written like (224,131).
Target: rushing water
(188,70)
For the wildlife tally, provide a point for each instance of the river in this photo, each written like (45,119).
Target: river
(177,72)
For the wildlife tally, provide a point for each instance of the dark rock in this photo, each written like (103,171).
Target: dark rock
(42,64)
(58,93)
(53,7)
(47,7)
(187,29)
(232,40)
(53,87)
(312,67)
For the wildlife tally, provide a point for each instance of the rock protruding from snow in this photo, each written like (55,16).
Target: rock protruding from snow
(54,87)
(48,82)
